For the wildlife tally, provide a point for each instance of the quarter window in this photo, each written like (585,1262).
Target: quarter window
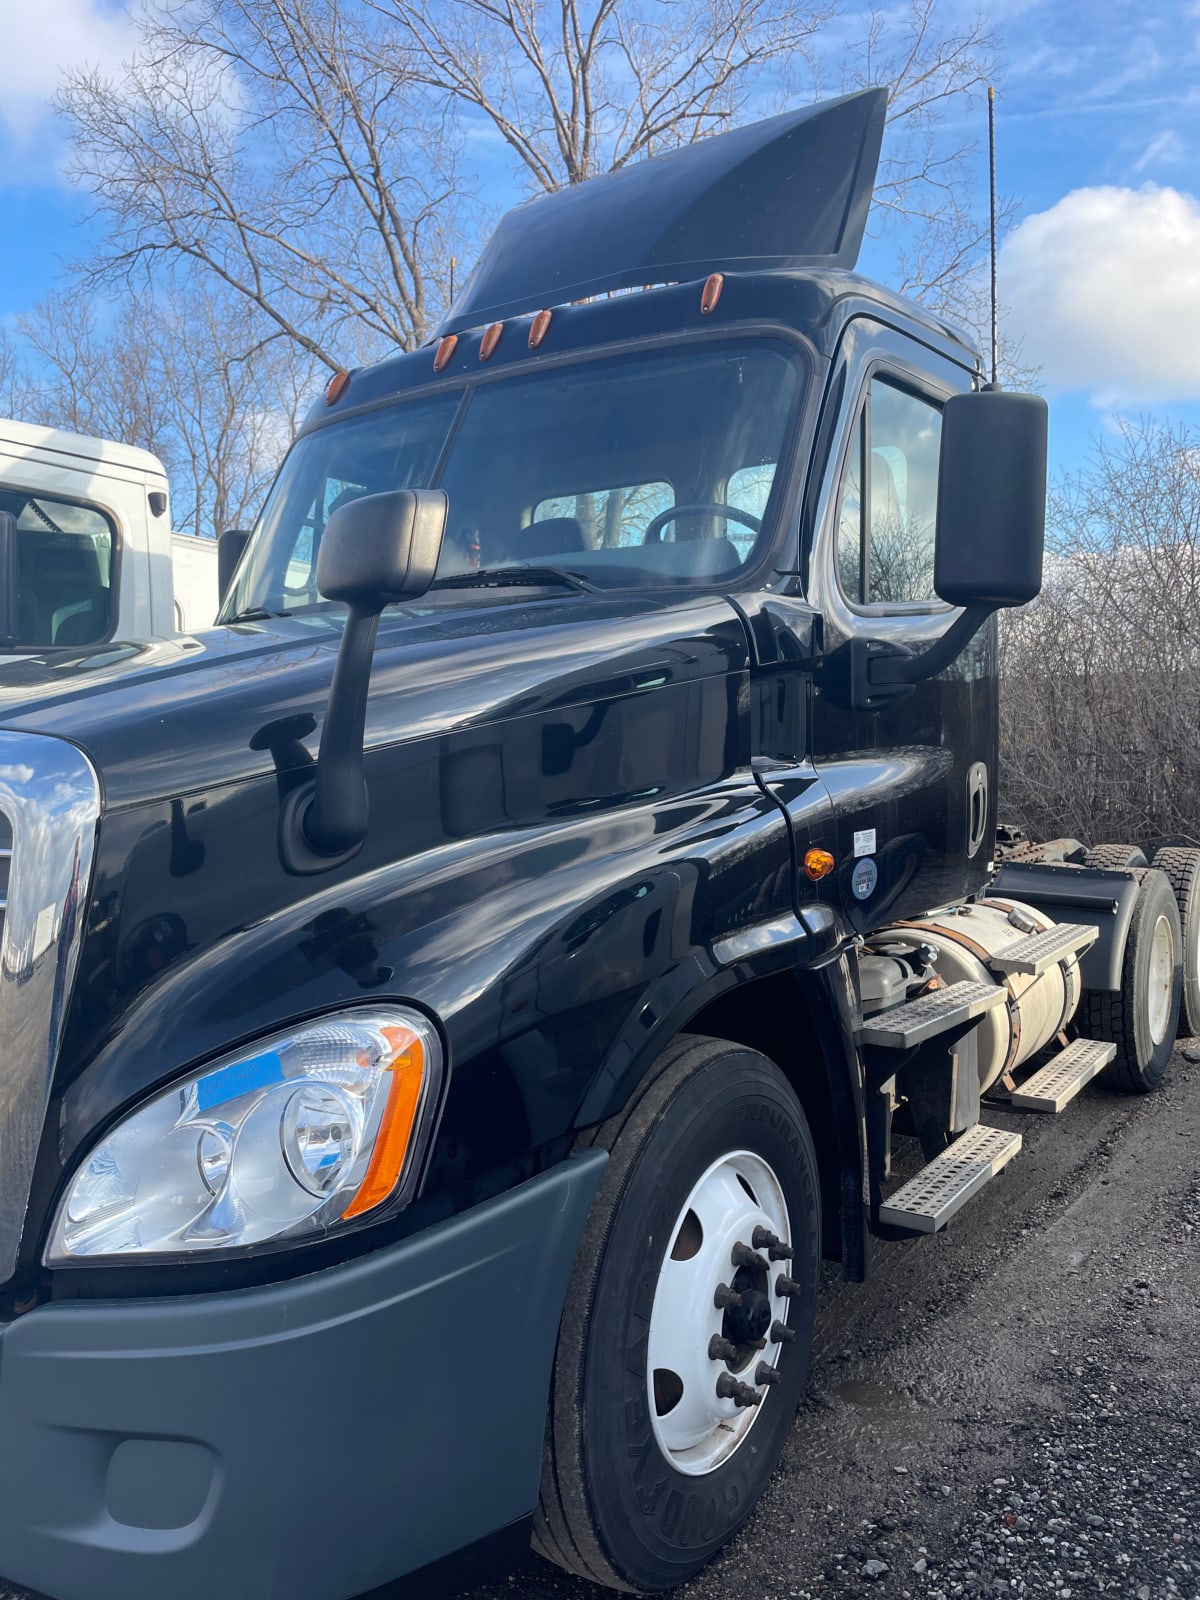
(888,511)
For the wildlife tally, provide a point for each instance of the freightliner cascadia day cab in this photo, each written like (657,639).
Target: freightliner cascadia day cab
(87,555)
(453,1005)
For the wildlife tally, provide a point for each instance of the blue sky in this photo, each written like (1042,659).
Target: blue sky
(1099,146)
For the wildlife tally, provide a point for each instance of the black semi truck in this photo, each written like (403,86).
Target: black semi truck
(452,1007)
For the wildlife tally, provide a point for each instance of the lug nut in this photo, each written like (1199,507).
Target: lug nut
(765,1373)
(786,1285)
(781,1333)
(720,1349)
(742,1256)
(740,1393)
(764,1239)
(725,1296)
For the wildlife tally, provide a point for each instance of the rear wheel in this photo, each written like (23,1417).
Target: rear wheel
(685,1336)
(1115,857)
(1182,867)
(1142,1017)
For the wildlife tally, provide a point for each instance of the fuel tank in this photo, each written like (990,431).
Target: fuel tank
(964,939)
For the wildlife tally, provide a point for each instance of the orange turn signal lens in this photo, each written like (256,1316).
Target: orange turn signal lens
(444,351)
(539,329)
(711,292)
(338,385)
(818,864)
(490,340)
(400,1117)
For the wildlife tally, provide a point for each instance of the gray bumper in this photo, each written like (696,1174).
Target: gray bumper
(310,1440)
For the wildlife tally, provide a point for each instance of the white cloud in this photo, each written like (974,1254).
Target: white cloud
(1104,291)
(41,42)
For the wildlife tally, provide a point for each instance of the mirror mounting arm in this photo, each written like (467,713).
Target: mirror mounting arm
(324,821)
(881,672)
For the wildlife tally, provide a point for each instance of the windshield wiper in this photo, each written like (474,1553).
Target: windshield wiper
(257,614)
(504,577)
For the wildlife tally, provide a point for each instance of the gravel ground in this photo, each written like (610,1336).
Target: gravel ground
(1011,1407)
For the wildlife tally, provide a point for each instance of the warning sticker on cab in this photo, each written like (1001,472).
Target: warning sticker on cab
(864,842)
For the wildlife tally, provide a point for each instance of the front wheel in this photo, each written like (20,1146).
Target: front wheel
(685,1336)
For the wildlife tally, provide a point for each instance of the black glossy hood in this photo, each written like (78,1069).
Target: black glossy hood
(240,702)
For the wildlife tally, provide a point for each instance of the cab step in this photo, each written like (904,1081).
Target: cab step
(1060,1080)
(927,1202)
(1041,951)
(918,1020)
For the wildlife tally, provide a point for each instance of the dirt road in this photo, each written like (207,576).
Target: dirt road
(1011,1407)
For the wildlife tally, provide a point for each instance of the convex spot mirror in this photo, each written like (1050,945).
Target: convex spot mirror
(382,548)
(991,518)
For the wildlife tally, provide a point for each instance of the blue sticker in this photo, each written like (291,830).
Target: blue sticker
(866,876)
(243,1077)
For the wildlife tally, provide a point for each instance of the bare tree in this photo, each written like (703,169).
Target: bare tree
(183,377)
(271,146)
(579,87)
(1101,685)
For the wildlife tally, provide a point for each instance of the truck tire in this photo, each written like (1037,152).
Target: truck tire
(1115,857)
(1142,1016)
(1182,867)
(647,1471)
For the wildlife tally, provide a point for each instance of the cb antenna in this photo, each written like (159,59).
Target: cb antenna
(995,383)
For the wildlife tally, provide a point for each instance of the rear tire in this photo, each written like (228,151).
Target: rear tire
(626,1499)
(1115,857)
(1142,1017)
(1182,867)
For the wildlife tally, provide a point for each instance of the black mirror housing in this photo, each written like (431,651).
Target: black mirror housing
(382,548)
(230,547)
(991,518)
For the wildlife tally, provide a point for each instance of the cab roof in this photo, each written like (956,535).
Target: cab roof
(85,450)
(816,305)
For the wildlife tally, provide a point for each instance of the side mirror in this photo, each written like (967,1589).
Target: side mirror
(991,535)
(991,517)
(230,547)
(10,616)
(374,551)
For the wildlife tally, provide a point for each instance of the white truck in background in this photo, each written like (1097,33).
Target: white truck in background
(86,548)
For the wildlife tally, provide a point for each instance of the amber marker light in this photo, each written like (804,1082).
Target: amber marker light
(711,292)
(818,864)
(490,340)
(444,351)
(539,330)
(392,1142)
(338,385)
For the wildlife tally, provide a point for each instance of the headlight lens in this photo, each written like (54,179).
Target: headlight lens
(284,1140)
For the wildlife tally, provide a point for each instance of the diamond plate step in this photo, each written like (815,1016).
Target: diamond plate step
(1060,1080)
(1041,951)
(907,1025)
(928,1201)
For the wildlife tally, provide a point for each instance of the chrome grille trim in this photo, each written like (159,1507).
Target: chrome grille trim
(50,796)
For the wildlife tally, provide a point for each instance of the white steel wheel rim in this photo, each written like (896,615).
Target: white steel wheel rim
(698,1432)
(1160,979)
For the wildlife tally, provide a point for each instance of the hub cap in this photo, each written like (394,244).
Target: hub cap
(694,1314)
(1160,979)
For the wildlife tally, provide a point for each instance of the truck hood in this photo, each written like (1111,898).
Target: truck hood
(241,701)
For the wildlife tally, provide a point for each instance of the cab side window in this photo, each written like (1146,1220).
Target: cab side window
(65,569)
(888,510)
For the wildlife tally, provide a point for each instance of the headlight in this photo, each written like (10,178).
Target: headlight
(284,1140)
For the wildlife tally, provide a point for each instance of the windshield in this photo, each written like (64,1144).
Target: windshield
(640,471)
